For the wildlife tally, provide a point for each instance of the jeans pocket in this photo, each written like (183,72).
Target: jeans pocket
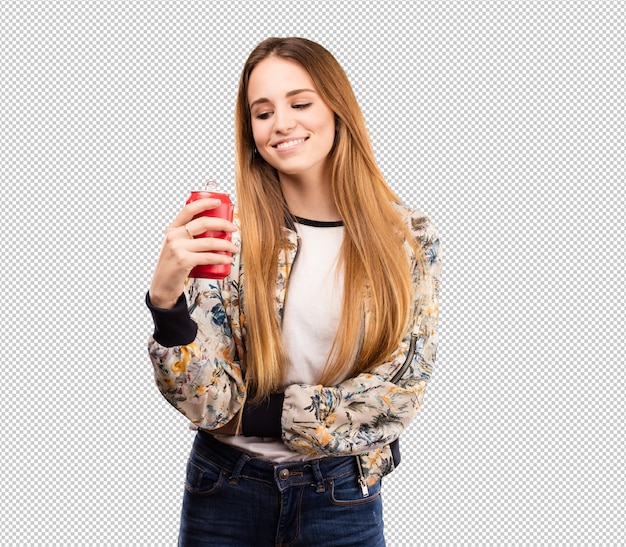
(203,477)
(347,491)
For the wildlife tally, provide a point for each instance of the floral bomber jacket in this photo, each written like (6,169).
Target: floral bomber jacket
(199,369)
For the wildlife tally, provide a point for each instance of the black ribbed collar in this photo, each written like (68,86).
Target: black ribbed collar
(318,223)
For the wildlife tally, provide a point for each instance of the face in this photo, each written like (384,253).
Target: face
(293,128)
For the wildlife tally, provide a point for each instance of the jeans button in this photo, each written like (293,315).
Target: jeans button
(284,474)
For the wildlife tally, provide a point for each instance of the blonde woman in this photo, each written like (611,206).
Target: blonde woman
(302,368)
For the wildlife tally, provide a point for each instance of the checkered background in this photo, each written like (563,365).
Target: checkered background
(504,121)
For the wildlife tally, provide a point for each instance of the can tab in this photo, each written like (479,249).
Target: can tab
(210,185)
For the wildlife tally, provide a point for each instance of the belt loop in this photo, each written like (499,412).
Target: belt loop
(317,473)
(234,478)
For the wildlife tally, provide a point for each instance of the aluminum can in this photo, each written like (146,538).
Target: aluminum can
(225,210)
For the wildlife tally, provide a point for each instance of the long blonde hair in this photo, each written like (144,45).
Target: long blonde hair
(376,267)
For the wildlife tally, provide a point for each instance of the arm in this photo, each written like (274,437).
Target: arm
(370,410)
(195,351)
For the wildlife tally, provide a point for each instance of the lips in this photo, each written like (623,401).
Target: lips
(289,143)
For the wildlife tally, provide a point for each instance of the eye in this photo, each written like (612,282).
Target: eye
(263,115)
(301,106)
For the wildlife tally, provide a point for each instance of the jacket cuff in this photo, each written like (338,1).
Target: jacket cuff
(264,419)
(173,327)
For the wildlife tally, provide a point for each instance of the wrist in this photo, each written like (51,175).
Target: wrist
(163,301)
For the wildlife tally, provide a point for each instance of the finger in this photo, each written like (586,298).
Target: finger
(194,208)
(204,224)
(211,244)
(206,259)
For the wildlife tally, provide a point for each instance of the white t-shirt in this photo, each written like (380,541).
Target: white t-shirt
(310,320)
(313,302)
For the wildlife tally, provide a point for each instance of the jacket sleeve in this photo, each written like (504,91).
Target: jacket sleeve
(371,410)
(197,368)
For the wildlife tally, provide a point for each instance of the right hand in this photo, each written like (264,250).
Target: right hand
(181,252)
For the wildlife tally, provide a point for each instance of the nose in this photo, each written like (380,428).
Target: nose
(284,120)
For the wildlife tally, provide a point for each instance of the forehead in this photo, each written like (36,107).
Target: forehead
(274,77)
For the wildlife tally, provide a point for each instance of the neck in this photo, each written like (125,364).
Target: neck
(311,199)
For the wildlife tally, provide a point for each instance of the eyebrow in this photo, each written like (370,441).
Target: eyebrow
(288,94)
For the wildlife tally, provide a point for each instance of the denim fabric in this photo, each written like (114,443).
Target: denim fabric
(232,500)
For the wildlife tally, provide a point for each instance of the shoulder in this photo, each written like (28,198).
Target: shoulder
(420,225)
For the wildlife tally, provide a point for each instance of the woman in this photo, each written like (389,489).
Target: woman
(302,368)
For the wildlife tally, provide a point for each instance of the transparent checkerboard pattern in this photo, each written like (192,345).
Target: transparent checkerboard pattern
(504,122)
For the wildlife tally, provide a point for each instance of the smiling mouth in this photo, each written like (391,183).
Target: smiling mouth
(289,144)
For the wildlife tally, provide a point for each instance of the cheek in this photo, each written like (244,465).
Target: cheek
(259,133)
(327,128)
(255,136)
(326,123)
(260,137)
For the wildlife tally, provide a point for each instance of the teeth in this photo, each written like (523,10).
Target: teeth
(288,144)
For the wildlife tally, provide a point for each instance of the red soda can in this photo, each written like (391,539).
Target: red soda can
(225,210)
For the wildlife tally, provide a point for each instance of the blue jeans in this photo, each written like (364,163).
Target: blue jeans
(233,500)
